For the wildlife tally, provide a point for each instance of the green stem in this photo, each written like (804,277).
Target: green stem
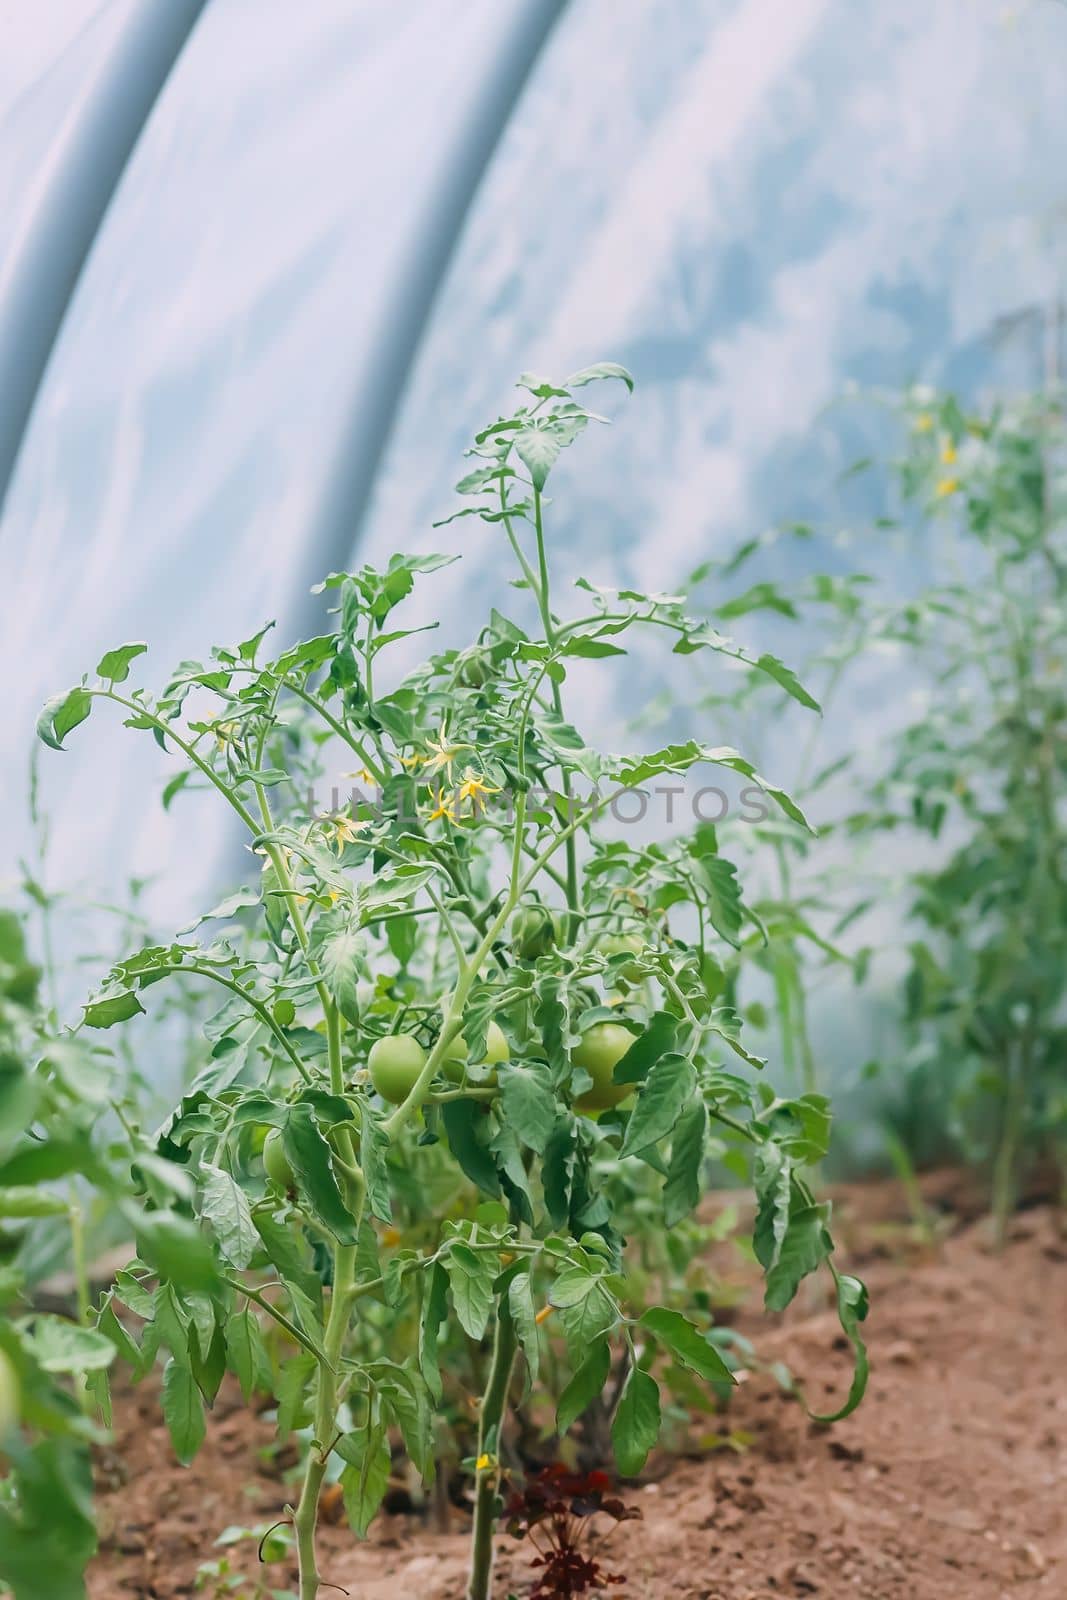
(168,730)
(194,969)
(547,623)
(1004,1175)
(494,1402)
(279,1317)
(454,1015)
(305,1517)
(78,1261)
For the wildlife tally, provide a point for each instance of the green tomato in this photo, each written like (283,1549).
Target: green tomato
(276,1162)
(497,1049)
(395,1063)
(9,1397)
(475,668)
(620,944)
(601,1046)
(533,932)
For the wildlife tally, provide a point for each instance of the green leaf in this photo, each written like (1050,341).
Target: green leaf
(434,1311)
(111,1325)
(599,369)
(286,1251)
(687,1344)
(293,1390)
(760,597)
(62,1346)
(171,1322)
(208,1361)
(61,714)
(586,1308)
(669,1086)
(342,957)
(471,1281)
(18,1101)
(787,678)
(364,1481)
(726,756)
(656,1041)
(538,450)
(772,1177)
(685,1170)
(557,1170)
(47,1529)
(23,1200)
(183,1411)
(725,1022)
(176,1248)
(635,1427)
(404,1396)
(226,1207)
(373,1149)
(468,1132)
(309,1156)
(585,1385)
(247,1352)
(116,1008)
(801,1127)
(806,1245)
(723,902)
(852,1307)
(114,665)
(240,900)
(521,1306)
(589,649)
(529,1104)
(402,934)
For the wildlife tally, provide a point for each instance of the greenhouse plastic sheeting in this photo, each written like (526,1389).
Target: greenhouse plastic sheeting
(751,204)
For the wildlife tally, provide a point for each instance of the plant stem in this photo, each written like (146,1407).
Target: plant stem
(77,1251)
(547,623)
(1003,1197)
(494,1402)
(305,1517)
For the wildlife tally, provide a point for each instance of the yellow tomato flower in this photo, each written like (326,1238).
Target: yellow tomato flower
(924,422)
(483,1462)
(948,452)
(225,732)
(443,752)
(475,789)
(343,829)
(362,774)
(945,487)
(443,809)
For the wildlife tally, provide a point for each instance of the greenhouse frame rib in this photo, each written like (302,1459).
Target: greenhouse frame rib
(68,204)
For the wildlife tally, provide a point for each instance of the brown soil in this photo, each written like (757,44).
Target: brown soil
(949,1484)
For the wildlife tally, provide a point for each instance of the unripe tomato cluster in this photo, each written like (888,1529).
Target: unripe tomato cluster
(396,1061)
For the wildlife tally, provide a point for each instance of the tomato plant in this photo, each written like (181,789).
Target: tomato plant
(52,1093)
(470,906)
(971,786)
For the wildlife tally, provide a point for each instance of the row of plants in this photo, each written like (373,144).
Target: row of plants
(478,1056)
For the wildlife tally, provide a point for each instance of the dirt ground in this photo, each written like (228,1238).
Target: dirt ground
(949,1484)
